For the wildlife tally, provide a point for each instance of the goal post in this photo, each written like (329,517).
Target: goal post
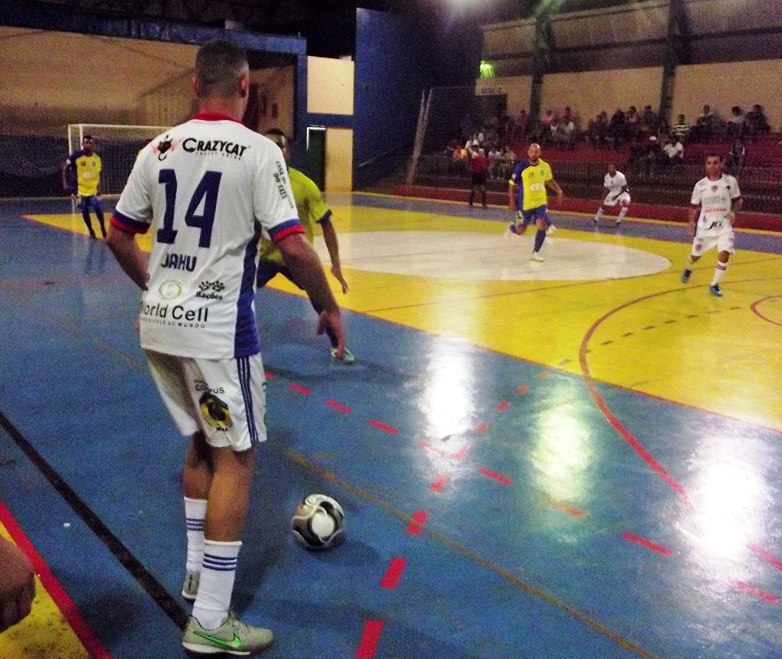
(117,145)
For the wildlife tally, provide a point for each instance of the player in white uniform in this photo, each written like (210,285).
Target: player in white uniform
(716,199)
(615,192)
(207,189)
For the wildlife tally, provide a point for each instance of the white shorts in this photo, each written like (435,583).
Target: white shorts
(224,398)
(623,199)
(724,242)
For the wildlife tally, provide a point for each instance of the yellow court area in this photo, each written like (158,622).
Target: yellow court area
(44,633)
(605,303)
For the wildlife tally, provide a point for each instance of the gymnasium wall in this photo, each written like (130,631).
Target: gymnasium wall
(590,93)
(517,89)
(727,84)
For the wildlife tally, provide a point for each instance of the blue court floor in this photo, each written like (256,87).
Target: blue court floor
(578,458)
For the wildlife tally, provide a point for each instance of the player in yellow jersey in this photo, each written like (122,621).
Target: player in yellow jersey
(81,176)
(528,198)
(312,208)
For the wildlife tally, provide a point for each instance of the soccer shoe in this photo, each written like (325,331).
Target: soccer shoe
(715,290)
(618,223)
(551,229)
(536,257)
(595,221)
(190,585)
(347,358)
(685,276)
(232,637)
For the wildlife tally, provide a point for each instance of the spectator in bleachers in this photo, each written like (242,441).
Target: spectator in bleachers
(706,125)
(633,120)
(681,129)
(649,122)
(521,126)
(564,132)
(736,122)
(617,129)
(597,131)
(495,156)
(736,156)
(757,121)
(674,151)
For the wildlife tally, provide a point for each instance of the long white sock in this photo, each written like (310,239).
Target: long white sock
(217,582)
(622,214)
(599,214)
(195,511)
(718,272)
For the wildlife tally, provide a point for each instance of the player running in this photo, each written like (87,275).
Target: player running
(615,192)
(527,196)
(716,199)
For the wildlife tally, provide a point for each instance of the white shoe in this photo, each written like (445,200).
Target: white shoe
(551,229)
(347,358)
(536,257)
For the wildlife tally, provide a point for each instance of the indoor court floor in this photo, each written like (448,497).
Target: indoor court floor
(575,458)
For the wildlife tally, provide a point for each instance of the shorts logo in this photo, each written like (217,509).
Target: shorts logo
(215,411)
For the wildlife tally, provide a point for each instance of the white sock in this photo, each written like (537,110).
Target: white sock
(622,214)
(718,272)
(599,214)
(217,582)
(195,511)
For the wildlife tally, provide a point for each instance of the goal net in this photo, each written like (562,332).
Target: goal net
(117,145)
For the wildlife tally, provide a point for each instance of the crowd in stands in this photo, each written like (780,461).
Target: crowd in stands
(651,145)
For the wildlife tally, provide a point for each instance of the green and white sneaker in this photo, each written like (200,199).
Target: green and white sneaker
(232,637)
(190,586)
(347,359)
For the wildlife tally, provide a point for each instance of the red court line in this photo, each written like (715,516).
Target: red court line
(396,567)
(58,594)
(367,646)
(653,546)
(417,521)
(269,376)
(566,507)
(766,556)
(439,483)
(300,389)
(338,406)
(757,592)
(754,308)
(382,426)
(624,433)
(523,389)
(495,476)
(483,426)
(502,406)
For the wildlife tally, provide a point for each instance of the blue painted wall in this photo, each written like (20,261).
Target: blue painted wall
(395,56)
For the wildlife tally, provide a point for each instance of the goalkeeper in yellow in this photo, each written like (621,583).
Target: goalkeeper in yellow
(81,176)
(312,208)
(528,199)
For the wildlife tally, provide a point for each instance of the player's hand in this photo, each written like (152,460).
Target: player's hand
(560,196)
(731,217)
(17,586)
(337,272)
(333,321)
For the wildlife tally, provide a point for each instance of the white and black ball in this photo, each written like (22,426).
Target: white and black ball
(318,522)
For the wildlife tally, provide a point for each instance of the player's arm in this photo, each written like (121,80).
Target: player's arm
(332,244)
(303,261)
(691,216)
(123,245)
(554,187)
(66,168)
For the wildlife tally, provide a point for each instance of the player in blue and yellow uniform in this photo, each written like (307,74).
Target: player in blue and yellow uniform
(81,176)
(312,209)
(528,199)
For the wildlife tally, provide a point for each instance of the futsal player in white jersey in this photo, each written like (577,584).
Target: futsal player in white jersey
(615,193)
(207,189)
(716,199)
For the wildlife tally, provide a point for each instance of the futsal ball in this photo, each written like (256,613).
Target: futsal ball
(318,523)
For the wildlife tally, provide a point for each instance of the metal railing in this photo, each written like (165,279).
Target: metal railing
(760,187)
